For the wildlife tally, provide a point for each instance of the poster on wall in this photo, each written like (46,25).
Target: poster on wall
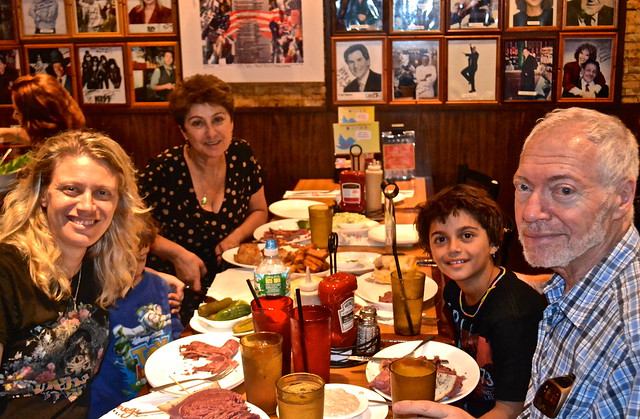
(471,69)
(102,74)
(253,40)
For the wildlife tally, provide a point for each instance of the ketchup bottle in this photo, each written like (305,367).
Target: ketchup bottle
(352,184)
(337,293)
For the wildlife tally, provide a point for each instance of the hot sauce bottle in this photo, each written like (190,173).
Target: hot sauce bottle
(337,293)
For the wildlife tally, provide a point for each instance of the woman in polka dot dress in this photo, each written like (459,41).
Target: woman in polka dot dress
(207,194)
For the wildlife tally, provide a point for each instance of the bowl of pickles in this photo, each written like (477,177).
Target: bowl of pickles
(226,314)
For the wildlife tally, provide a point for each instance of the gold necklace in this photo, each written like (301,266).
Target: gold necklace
(484,297)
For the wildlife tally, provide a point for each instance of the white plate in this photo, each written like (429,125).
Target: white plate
(406,234)
(229,257)
(167,361)
(286,224)
(364,264)
(292,208)
(458,359)
(150,402)
(371,291)
(369,411)
(232,283)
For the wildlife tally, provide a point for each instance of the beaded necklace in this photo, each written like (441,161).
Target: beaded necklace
(484,297)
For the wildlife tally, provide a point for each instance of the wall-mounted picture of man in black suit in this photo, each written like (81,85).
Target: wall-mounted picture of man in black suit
(359,70)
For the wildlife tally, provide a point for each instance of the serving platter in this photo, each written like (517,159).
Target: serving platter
(229,257)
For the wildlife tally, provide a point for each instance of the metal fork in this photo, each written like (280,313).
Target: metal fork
(215,377)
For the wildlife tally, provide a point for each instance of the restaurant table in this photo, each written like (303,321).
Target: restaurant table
(434,322)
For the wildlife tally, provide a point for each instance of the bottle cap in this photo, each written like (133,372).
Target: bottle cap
(309,284)
(374,165)
(271,248)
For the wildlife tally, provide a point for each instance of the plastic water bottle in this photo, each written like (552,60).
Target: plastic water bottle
(271,276)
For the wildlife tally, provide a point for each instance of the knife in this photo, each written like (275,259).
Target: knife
(383,358)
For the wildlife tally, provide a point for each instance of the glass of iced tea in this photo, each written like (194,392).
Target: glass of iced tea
(274,316)
(407,313)
(262,366)
(412,379)
(300,395)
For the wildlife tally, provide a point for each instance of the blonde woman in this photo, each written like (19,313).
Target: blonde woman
(68,250)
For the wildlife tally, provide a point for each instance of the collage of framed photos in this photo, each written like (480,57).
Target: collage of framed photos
(82,44)
(485,51)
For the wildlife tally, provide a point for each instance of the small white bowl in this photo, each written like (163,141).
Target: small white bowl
(220,324)
(362,399)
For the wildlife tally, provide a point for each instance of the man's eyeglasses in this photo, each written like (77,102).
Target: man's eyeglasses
(552,394)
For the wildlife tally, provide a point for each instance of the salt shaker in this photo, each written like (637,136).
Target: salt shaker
(368,332)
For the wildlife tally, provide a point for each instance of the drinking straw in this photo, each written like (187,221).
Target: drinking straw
(303,342)
(390,190)
(253,292)
(333,249)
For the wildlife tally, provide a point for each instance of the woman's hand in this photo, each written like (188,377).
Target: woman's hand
(429,409)
(227,243)
(190,269)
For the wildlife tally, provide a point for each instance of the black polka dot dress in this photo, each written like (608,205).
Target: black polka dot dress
(167,187)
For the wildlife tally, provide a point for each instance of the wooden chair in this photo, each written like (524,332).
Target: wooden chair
(478,179)
(474,178)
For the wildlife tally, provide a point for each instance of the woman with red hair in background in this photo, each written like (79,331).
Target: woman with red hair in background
(42,107)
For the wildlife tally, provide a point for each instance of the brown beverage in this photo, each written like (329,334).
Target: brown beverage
(412,306)
(412,379)
(300,396)
(262,366)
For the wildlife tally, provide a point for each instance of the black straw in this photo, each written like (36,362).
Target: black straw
(303,342)
(253,292)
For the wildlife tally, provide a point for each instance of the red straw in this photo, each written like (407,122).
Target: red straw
(303,343)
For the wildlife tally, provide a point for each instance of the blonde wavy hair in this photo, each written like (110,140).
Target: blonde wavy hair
(24,222)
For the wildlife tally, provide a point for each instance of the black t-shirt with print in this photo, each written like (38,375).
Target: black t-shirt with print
(501,337)
(51,349)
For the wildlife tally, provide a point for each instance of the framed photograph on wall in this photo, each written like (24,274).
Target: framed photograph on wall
(358,15)
(55,60)
(10,70)
(473,14)
(7,28)
(588,67)
(149,16)
(415,70)
(358,69)
(102,75)
(43,18)
(97,17)
(471,69)
(532,14)
(528,69)
(284,43)
(154,71)
(416,15)
(590,14)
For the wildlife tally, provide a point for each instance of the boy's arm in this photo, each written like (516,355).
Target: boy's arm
(176,297)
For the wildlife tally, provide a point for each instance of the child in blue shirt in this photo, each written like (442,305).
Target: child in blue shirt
(140,323)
